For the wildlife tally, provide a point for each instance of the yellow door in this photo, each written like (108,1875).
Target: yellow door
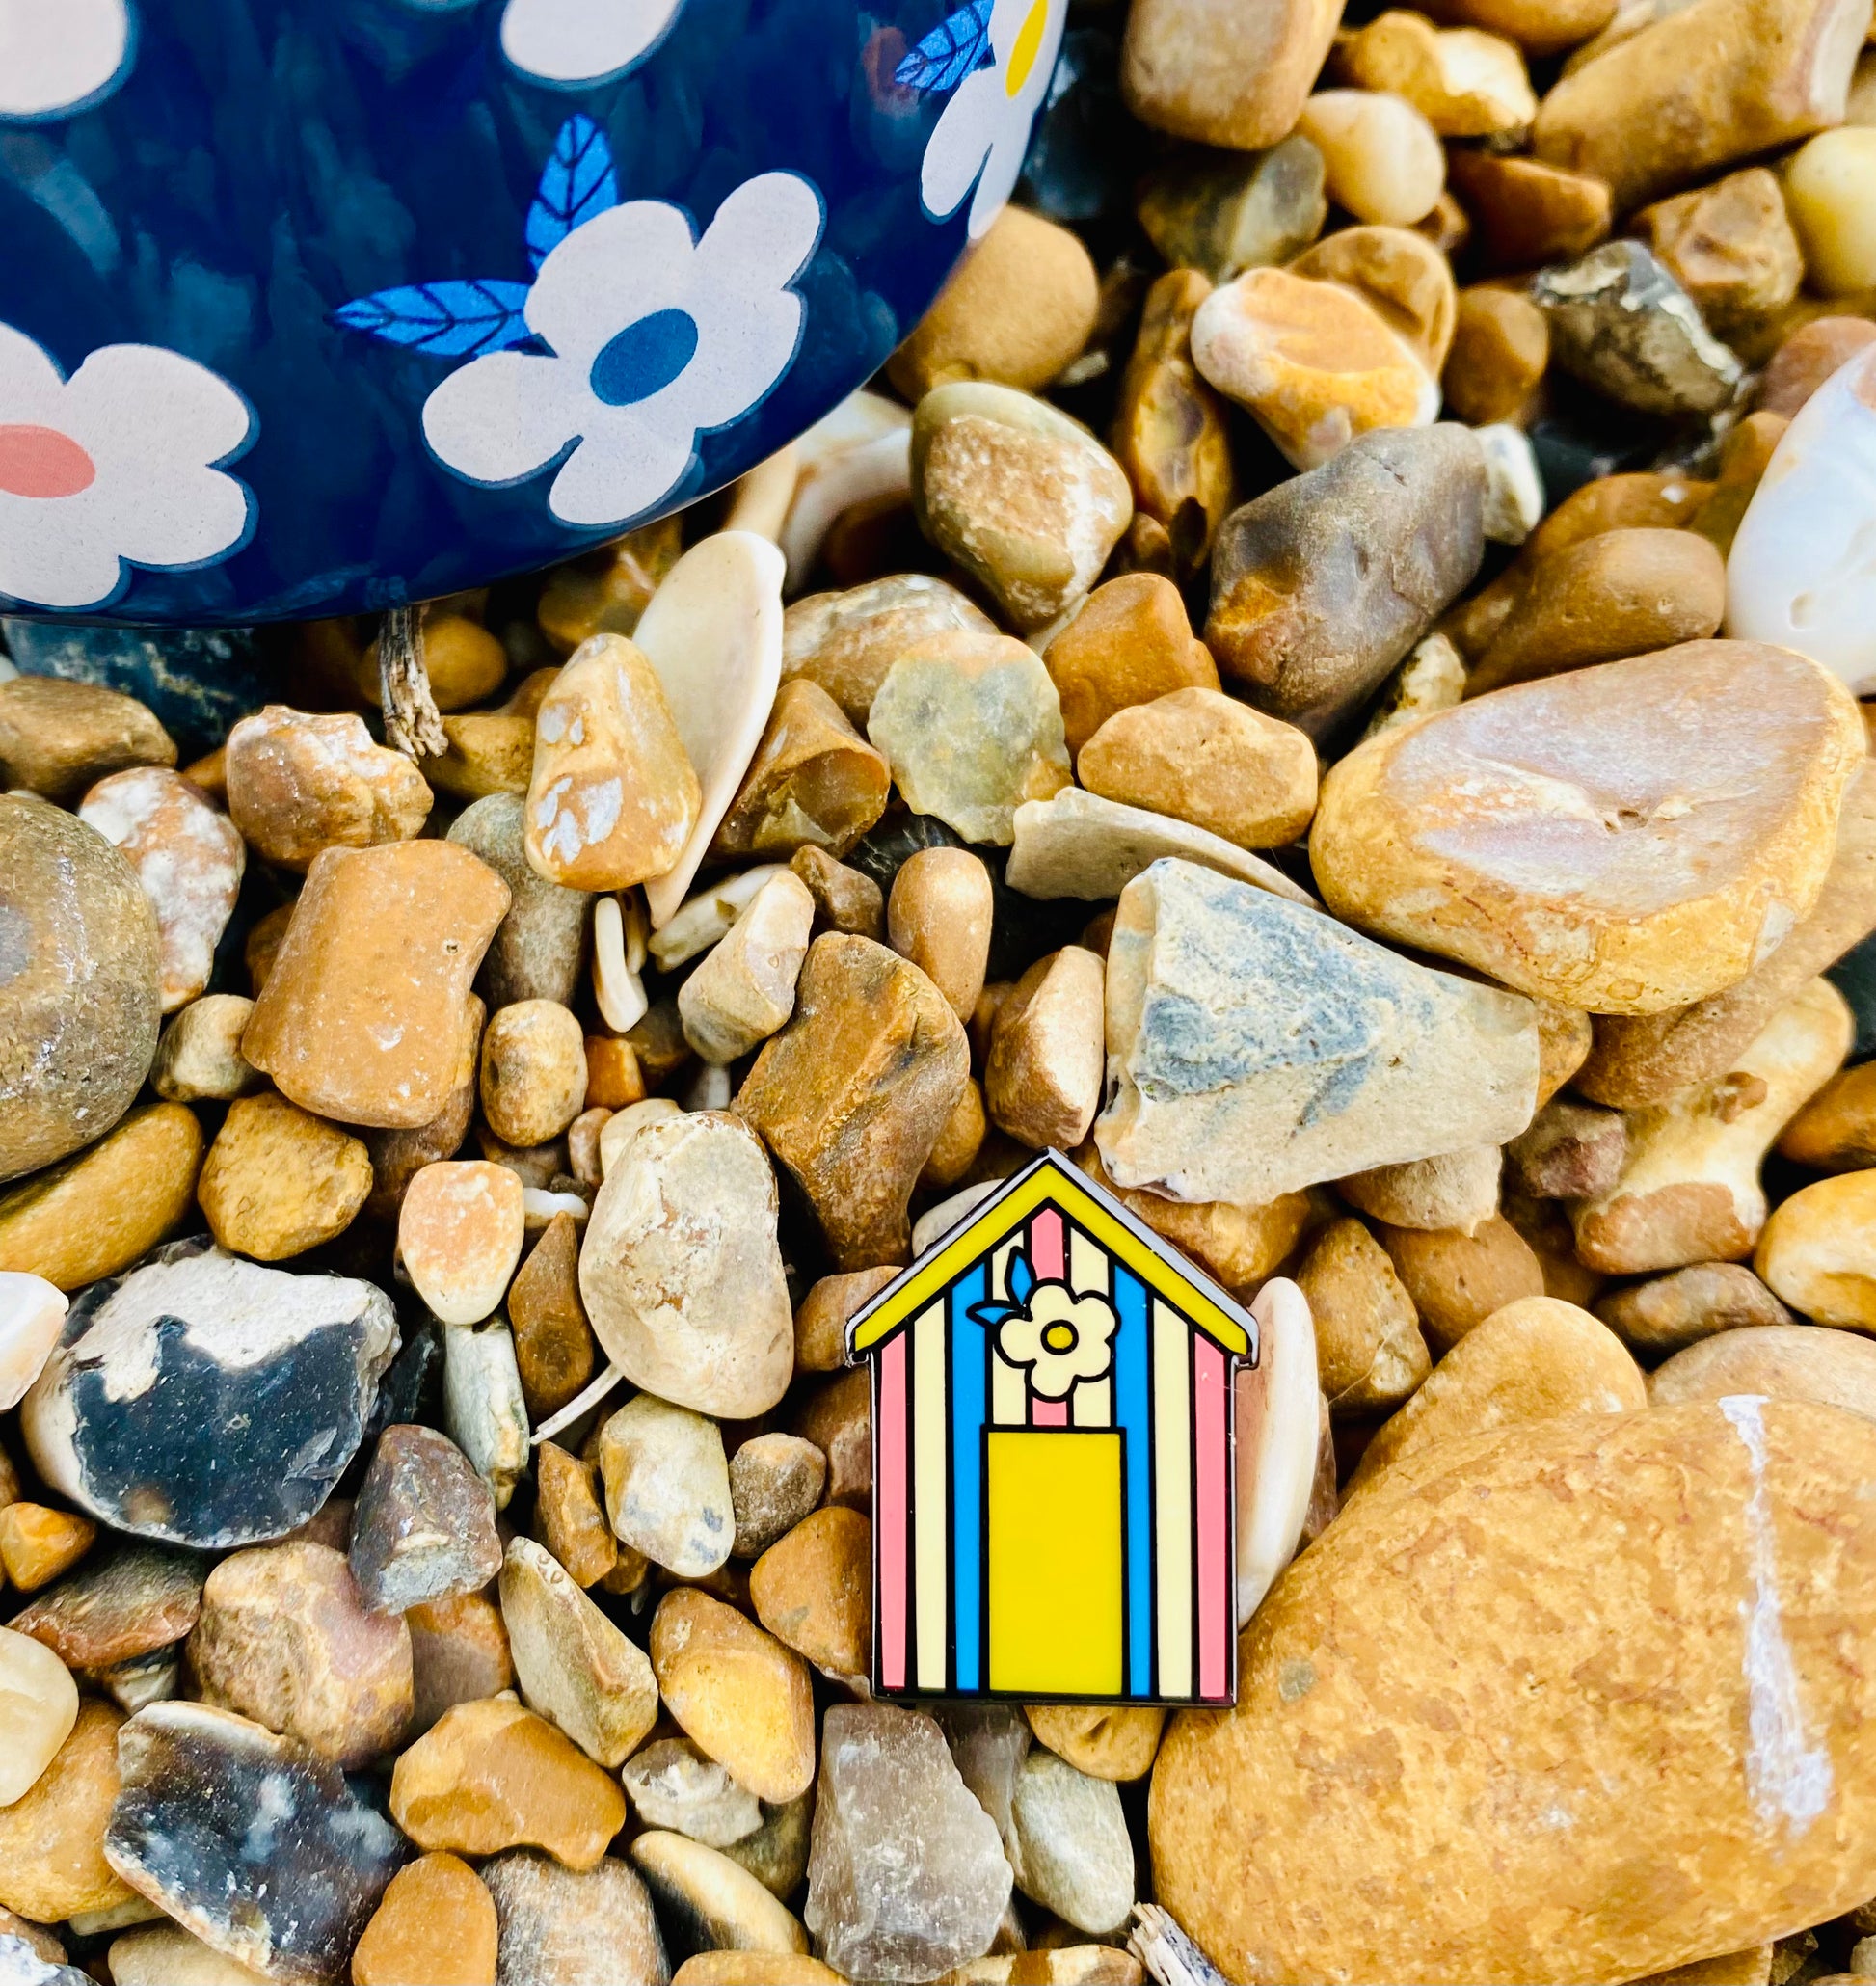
(1056,1569)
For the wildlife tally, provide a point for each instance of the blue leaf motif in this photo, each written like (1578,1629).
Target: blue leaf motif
(1022,1277)
(447,320)
(956,46)
(578,182)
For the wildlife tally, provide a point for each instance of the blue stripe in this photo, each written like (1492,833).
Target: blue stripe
(968,1411)
(1132,1410)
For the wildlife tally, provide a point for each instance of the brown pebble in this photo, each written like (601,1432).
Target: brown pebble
(459,1654)
(1237,1246)
(1669,1312)
(1570,1151)
(397,1157)
(1042,1081)
(1129,643)
(279,1181)
(776,1481)
(1745,455)
(1525,211)
(837,1417)
(845,899)
(37,1544)
(939,916)
(533,1071)
(820,1317)
(959,1142)
(1401,274)
(604,592)
(1457,1281)
(464,663)
(1370,1356)
(262,946)
(613,1075)
(1808,358)
(812,1590)
(569,1518)
(59,738)
(115,1606)
(738,1691)
(1730,247)
(435,1923)
(300,781)
(553,1342)
(814,782)
(52,1864)
(1501,345)
(1116,1741)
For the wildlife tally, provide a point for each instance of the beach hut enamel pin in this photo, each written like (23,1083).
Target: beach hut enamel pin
(1053,1458)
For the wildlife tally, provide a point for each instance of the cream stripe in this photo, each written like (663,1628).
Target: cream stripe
(1009,1395)
(1087,1266)
(930,1518)
(1173,1433)
(1091,1404)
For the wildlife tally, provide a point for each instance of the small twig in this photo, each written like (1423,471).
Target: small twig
(413,723)
(1168,1955)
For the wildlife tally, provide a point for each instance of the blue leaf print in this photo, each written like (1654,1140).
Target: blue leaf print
(446,320)
(576,184)
(958,45)
(1022,1277)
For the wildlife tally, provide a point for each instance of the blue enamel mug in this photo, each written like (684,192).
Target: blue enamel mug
(316,306)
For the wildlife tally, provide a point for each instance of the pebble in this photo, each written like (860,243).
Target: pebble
(533,1076)
(73,913)
(129,1602)
(1023,499)
(775,1479)
(939,917)
(569,1518)
(673,1786)
(1814,1251)
(56,737)
(1284,1425)
(1701,876)
(436,1923)
(464,663)
(38,1706)
(814,782)
(167,1955)
(37,1544)
(710,1902)
(1808,358)
(1315,364)
(459,1236)
(745,990)
(1621,323)
(1730,246)
(1258,1047)
(1107,1741)
(363,1016)
(852,472)
(423,1528)
(1500,349)
(279,1181)
(607,592)
(187,858)
(1170,427)
(1018,310)
(537,948)
(553,1342)
(299,782)
(492,1775)
(459,1654)
(397,1157)
(845,899)
(813,1590)
(1795,574)
(776,1854)
(667,1486)
(284,1639)
(1455,1281)
(1042,1079)
(1668,1313)
(290,1893)
(738,1692)
(199,1057)
(845,642)
(820,1319)
(562,1927)
(573,1665)
(1515,494)
(1527,212)
(285,1367)
(884,1903)
(1128,643)
(1401,274)
(1834,1132)
(959,1142)
(105,1209)
(1645,1525)
(484,1408)
(1571,1151)
(1464,82)
(1237,1246)
(1454,1190)
(681,1271)
(1072,1851)
(1324,583)
(614,798)
(853,1095)
(1220,212)
(1383,156)
(1432,678)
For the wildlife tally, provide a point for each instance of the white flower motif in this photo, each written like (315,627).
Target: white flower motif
(1062,1339)
(115,466)
(654,338)
(982,132)
(59,56)
(572,42)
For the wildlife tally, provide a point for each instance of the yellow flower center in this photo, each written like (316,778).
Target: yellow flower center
(1060,1338)
(1028,41)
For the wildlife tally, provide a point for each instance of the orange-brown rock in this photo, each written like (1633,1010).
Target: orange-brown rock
(1526,212)
(812,1590)
(52,1863)
(1129,642)
(1106,1741)
(1239,1246)
(298,783)
(279,1181)
(1456,1280)
(436,1923)
(822,1316)
(459,1654)
(605,592)
(1808,358)
(553,1342)
(37,1544)
(1501,345)
(738,1691)
(1399,272)
(814,782)
(570,1517)
(1203,69)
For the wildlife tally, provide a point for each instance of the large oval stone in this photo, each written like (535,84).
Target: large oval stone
(1584,1700)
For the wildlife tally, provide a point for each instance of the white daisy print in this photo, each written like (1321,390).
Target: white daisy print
(572,42)
(652,339)
(59,56)
(1005,61)
(1062,1339)
(117,466)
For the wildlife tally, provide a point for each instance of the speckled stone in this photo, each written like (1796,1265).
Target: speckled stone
(424,1524)
(1072,1851)
(73,916)
(667,1486)
(56,737)
(198,1057)
(775,1479)
(671,1784)
(284,1367)
(738,1691)
(565,1928)
(279,1181)
(298,783)
(538,948)
(289,1892)
(845,642)
(1213,989)
(123,1604)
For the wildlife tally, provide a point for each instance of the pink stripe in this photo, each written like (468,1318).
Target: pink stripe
(890,1513)
(1048,1414)
(1047,1246)
(1214,1574)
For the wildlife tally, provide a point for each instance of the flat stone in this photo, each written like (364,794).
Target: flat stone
(127,1602)
(1321,585)
(484,1408)
(667,1486)
(775,1479)
(459,1654)
(812,1590)
(436,1923)
(553,1342)
(885,1902)
(39,1706)
(744,1698)
(851,1095)
(285,1367)
(672,1784)
(565,1928)
(681,1271)
(1208,986)
(1107,1741)
(814,782)
(298,783)
(1370,1355)
(71,913)
(745,990)
(1042,1079)
(1128,643)
(289,1895)
(424,1525)
(492,1775)
(709,1902)
(1660,1536)
(1072,1851)
(847,642)
(1501,347)
(279,1181)
(972,728)
(58,737)
(539,944)
(189,859)
(1672,1312)
(1573,838)
(363,1016)
(459,1234)
(37,1544)
(575,1667)
(198,1057)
